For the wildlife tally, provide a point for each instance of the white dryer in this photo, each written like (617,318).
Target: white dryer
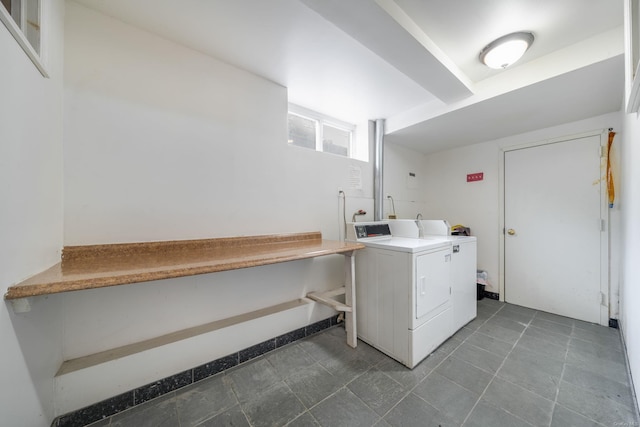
(463,279)
(463,263)
(403,291)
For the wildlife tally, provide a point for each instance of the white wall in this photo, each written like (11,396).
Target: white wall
(408,192)
(476,204)
(163,143)
(628,191)
(629,202)
(31,207)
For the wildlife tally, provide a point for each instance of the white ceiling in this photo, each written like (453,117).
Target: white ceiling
(412,62)
(462,27)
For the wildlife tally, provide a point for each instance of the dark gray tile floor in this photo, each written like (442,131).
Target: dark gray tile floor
(511,366)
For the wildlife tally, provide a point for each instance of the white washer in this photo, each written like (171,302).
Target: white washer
(403,291)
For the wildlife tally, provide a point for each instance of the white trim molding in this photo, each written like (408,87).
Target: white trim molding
(37,59)
(632,55)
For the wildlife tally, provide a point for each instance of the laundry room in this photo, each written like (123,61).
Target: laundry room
(130,125)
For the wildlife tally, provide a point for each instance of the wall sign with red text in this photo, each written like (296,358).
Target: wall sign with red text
(478,176)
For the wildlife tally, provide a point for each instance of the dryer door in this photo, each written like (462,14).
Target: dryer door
(432,290)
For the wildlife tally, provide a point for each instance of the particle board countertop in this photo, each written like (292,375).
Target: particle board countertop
(98,266)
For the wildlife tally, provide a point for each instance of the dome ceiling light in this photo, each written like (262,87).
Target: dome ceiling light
(506,50)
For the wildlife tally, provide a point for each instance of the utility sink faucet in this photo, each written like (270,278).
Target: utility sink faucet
(419,224)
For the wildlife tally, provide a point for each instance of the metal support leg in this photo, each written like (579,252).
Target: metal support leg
(349,292)
(350,298)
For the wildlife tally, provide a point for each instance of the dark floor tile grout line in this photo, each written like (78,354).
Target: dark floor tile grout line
(409,391)
(404,396)
(375,365)
(226,373)
(317,362)
(433,370)
(306,331)
(635,408)
(495,375)
(301,415)
(442,361)
(397,382)
(572,338)
(593,343)
(419,382)
(264,356)
(233,390)
(564,365)
(358,397)
(308,409)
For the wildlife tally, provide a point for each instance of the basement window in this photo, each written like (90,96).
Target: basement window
(310,129)
(22,18)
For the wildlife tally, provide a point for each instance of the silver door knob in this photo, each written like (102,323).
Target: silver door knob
(511,232)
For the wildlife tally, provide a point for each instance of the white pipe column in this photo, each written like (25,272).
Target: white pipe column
(378,190)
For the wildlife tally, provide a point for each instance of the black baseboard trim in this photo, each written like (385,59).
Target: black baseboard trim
(492,295)
(132,398)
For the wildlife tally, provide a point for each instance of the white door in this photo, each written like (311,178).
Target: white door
(552,215)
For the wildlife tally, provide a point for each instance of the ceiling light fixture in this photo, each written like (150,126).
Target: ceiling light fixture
(506,50)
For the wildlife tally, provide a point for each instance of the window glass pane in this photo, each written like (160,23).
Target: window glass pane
(335,140)
(14,7)
(302,131)
(7,5)
(32,30)
(22,19)
(26,15)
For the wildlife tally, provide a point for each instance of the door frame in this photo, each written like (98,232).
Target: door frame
(604,214)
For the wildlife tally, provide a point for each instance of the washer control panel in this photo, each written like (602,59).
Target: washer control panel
(372,230)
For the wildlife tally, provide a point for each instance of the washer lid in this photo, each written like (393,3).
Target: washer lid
(461,239)
(408,244)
